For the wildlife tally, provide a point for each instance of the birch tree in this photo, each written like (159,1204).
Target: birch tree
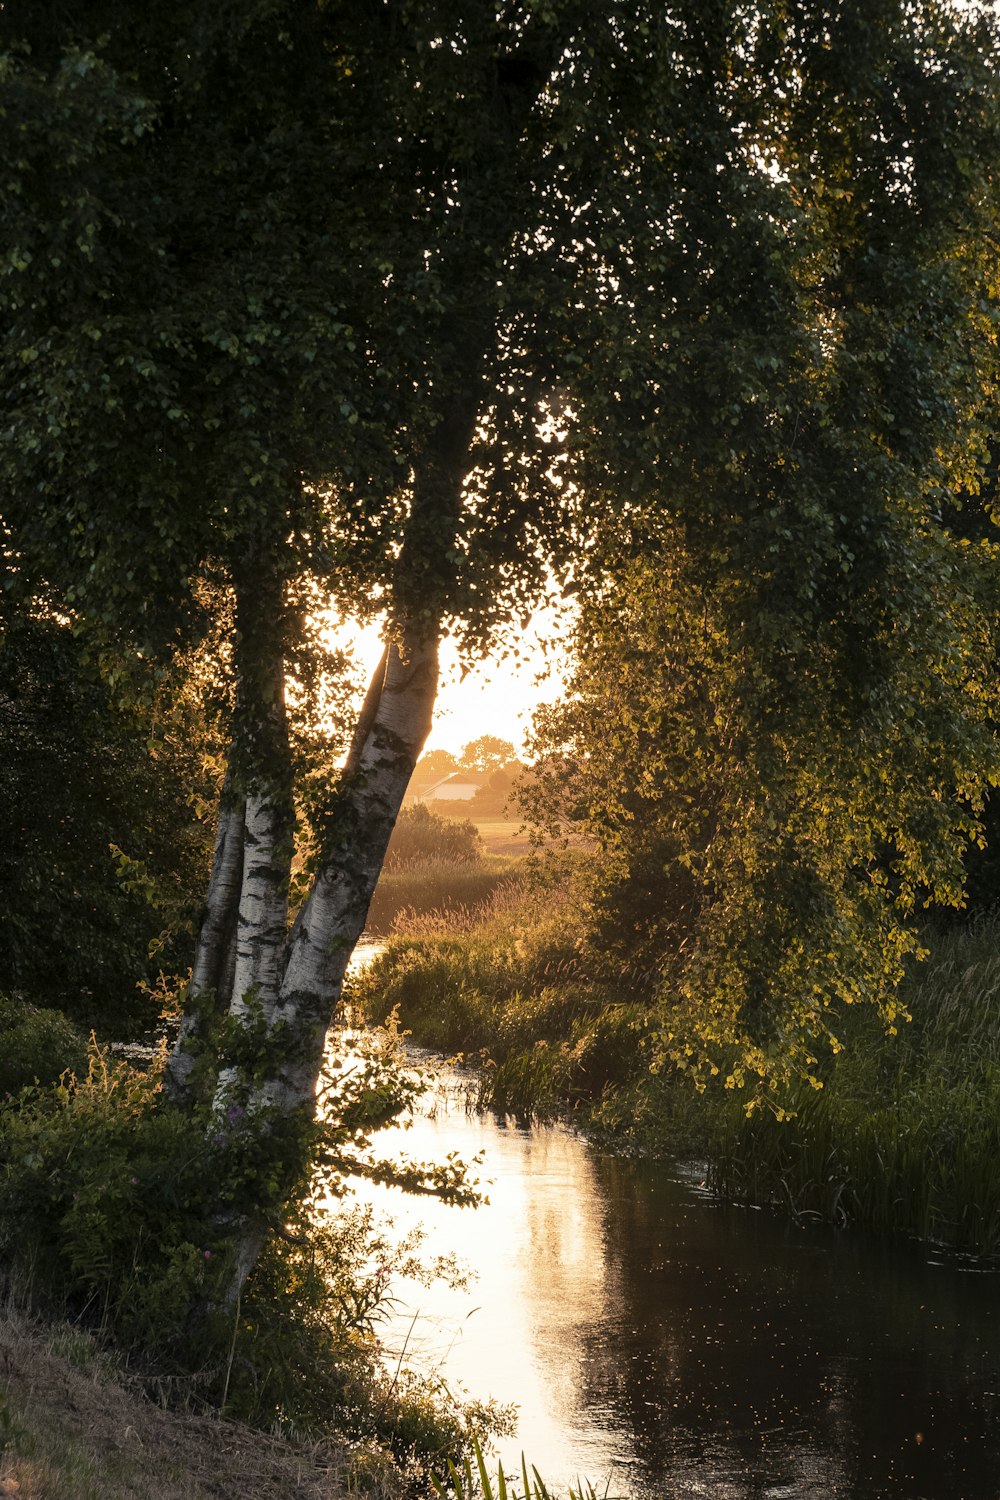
(377,306)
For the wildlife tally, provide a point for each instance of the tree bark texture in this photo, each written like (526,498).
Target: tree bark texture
(240,951)
(216,937)
(335,912)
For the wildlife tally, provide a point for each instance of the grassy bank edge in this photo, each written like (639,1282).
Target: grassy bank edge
(903,1137)
(74,1426)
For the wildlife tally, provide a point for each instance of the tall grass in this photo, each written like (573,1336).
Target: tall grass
(905,1135)
(468,1483)
(423,886)
(507,984)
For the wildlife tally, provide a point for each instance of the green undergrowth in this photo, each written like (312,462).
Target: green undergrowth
(507,986)
(458,887)
(38,1045)
(117,1213)
(904,1135)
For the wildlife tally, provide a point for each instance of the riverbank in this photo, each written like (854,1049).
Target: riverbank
(903,1136)
(75,1426)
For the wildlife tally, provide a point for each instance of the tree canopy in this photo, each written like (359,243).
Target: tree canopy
(410,309)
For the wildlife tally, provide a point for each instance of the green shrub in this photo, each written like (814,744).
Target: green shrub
(420,835)
(36,1045)
(121,1213)
(507,983)
(905,1134)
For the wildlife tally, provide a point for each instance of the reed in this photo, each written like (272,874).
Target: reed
(507,987)
(425,886)
(468,1483)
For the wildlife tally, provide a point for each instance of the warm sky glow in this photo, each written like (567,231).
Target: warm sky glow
(498,696)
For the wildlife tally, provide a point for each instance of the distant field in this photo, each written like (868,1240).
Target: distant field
(499,835)
(502,837)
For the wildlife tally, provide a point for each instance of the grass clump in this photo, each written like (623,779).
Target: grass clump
(468,1483)
(421,836)
(424,886)
(508,985)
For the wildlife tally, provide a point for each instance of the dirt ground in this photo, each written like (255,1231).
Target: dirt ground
(69,1432)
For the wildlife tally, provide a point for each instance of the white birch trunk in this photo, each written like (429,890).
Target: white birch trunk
(335,914)
(263,917)
(209,971)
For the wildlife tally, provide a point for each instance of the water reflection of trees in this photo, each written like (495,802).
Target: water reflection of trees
(727,1353)
(748,1356)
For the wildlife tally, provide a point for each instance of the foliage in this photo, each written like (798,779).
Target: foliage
(904,1135)
(329,1278)
(37,1045)
(766,852)
(508,986)
(122,1213)
(105,856)
(780,731)
(487,754)
(420,834)
(435,764)
(496,797)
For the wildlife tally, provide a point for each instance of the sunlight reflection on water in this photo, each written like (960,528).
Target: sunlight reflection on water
(674,1347)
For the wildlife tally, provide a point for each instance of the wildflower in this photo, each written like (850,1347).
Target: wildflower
(208,1255)
(218,1139)
(134,1181)
(234,1113)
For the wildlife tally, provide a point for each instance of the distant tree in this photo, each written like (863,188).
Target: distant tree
(435,765)
(487,754)
(495,796)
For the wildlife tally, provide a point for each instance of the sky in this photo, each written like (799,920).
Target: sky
(499,696)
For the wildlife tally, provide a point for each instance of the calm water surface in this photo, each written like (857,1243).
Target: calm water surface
(677,1347)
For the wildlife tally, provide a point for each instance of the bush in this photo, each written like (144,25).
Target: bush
(36,1045)
(120,1213)
(905,1133)
(420,834)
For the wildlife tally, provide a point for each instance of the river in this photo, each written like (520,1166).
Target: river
(666,1346)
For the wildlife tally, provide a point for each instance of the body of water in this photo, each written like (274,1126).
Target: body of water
(665,1345)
